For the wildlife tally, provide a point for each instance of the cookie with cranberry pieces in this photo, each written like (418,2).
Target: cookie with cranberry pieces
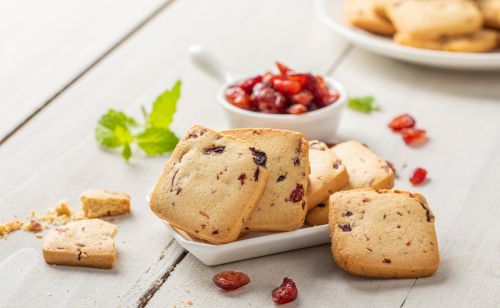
(86,243)
(328,174)
(383,233)
(318,215)
(210,185)
(365,169)
(362,14)
(282,206)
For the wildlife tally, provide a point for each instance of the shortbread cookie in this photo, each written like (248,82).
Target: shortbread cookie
(86,243)
(282,206)
(365,169)
(210,185)
(100,203)
(491,12)
(361,14)
(380,6)
(328,174)
(318,215)
(481,41)
(383,233)
(433,19)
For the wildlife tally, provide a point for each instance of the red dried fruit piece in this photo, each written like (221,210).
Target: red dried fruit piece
(248,84)
(419,176)
(300,78)
(304,97)
(267,100)
(230,280)
(296,109)
(391,166)
(332,96)
(414,137)
(286,86)
(402,121)
(298,193)
(269,78)
(286,292)
(238,97)
(283,68)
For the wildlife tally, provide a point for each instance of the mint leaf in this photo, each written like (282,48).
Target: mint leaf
(364,104)
(156,140)
(164,107)
(126,152)
(112,129)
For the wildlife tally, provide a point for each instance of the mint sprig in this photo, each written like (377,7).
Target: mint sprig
(115,129)
(364,104)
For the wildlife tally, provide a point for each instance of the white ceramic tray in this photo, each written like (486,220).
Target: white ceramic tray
(331,14)
(251,245)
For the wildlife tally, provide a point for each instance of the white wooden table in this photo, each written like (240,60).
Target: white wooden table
(64,63)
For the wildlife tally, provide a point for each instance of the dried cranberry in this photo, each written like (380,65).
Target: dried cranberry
(296,109)
(414,137)
(259,157)
(283,68)
(214,150)
(286,86)
(269,78)
(300,78)
(391,166)
(297,194)
(248,84)
(286,292)
(402,121)
(268,100)
(304,97)
(238,97)
(230,280)
(419,176)
(331,96)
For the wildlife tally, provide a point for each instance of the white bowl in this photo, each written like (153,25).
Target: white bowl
(319,124)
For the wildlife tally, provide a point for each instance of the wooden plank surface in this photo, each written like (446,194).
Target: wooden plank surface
(460,110)
(55,156)
(47,44)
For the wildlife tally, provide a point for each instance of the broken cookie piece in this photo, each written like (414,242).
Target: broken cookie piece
(86,243)
(100,203)
(383,233)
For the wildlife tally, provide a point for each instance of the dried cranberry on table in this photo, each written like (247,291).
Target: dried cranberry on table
(402,121)
(230,280)
(281,93)
(414,137)
(418,176)
(286,292)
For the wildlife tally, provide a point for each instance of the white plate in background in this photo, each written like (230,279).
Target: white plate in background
(251,245)
(331,14)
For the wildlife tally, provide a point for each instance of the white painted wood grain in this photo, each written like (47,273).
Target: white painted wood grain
(55,156)
(45,44)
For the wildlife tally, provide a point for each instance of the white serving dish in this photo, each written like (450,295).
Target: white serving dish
(319,124)
(251,245)
(331,14)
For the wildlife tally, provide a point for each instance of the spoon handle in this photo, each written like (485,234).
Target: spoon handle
(208,63)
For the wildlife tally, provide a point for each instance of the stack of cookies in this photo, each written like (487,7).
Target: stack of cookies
(447,25)
(220,185)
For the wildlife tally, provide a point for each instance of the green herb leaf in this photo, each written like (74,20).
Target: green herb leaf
(364,104)
(126,152)
(112,129)
(156,140)
(164,107)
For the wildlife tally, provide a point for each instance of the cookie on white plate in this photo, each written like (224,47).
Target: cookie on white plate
(210,185)
(282,206)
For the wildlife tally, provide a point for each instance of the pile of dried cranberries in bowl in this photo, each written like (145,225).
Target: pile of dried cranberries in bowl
(288,92)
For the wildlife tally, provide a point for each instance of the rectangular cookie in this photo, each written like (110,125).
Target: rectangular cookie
(318,215)
(328,174)
(480,41)
(86,243)
(432,19)
(282,206)
(491,12)
(210,185)
(101,203)
(365,169)
(383,233)
(362,14)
